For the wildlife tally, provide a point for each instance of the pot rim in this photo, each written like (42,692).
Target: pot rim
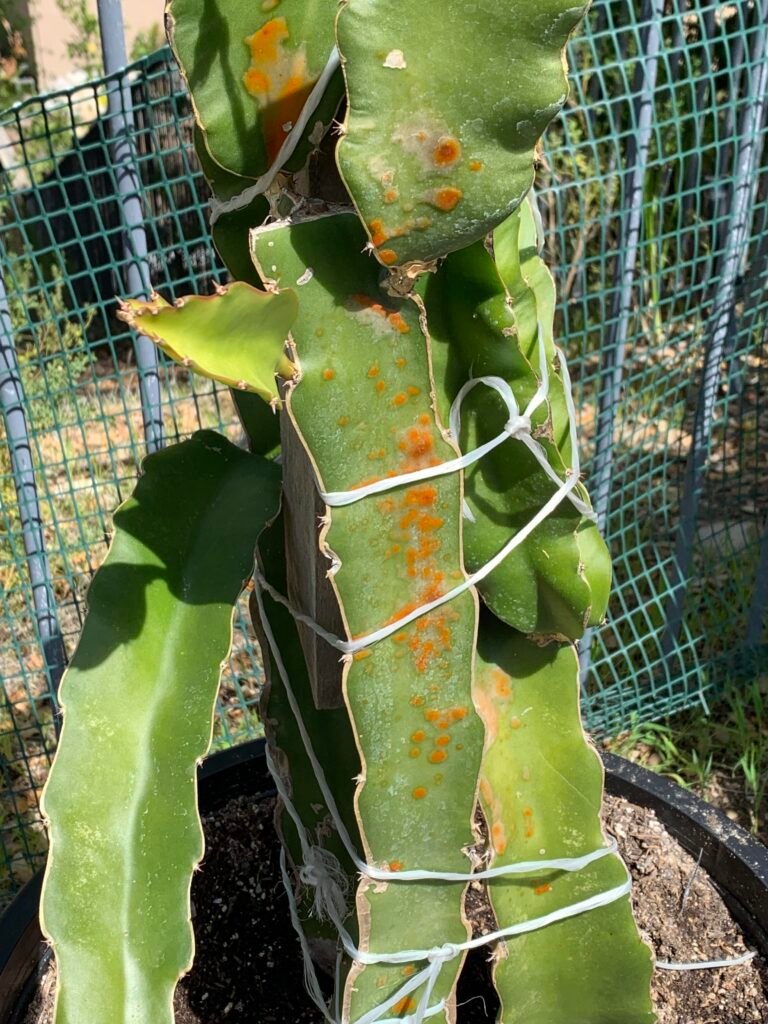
(735,860)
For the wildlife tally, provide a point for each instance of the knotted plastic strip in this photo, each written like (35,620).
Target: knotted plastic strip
(520,426)
(320,868)
(322,871)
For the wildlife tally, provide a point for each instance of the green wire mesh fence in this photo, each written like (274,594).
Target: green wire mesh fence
(653,189)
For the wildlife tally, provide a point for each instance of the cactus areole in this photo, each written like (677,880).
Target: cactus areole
(426,555)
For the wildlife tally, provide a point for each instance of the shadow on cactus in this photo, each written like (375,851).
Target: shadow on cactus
(425,552)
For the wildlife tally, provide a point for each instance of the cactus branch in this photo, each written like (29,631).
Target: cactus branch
(139,699)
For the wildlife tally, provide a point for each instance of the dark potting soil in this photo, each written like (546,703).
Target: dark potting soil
(248,965)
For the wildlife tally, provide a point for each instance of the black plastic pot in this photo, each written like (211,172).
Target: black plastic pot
(736,862)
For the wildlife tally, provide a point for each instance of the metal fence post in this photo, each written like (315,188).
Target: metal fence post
(756,620)
(12,404)
(748,159)
(137,279)
(614,350)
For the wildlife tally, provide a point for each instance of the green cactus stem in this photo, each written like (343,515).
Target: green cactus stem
(236,336)
(541,789)
(250,69)
(556,582)
(229,231)
(138,703)
(362,408)
(440,133)
(333,744)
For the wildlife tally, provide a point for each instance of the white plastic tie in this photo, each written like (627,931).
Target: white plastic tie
(530,867)
(706,965)
(564,489)
(518,427)
(320,868)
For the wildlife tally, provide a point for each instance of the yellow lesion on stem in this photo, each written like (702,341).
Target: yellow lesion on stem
(278,80)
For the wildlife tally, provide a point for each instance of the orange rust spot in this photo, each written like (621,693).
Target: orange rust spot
(419,736)
(388,257)
(476,165)
(501,684)
(423,495)
(399,399)
(446,199)
(425,652)
(417,527)
(409,970)
(398,323)
(380,386)
(392,316)
(485,791)
(499,837)
(407,520)
(437,757)
(416,701)
(413,390)
(277,79)
(541,889)
(396,865)
(400,361)
(405,1005)
(419,793)
(369,303)
(425,418)
(443,740)
(374,371)
(528,820)
(417,443)
(256,81)
(391,195)
(378,235)
(443,719)
(515,722)
(264,43)
(343,421)
(414,752)
(361,655)
(447,151)
(377,453)
(329,374)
